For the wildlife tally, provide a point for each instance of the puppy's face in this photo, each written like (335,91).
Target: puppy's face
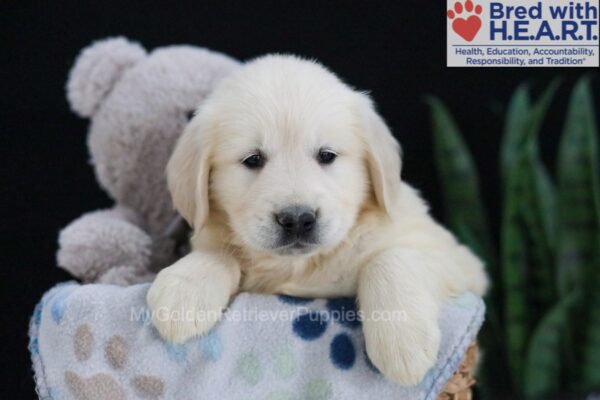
(289,173)
(285,150)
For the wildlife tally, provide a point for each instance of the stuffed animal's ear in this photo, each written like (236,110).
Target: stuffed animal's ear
(97,68)
(383,157)
(188,173)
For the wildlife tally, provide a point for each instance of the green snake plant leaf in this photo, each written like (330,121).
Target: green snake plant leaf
(526,253)
(540,201)
(543,365)
(538,111)
(517,117)
(515,255)
(542,189)
(578,199)
(546,199)
(578,258)
(523,124)
(590,371)
(460,183)
(539,205)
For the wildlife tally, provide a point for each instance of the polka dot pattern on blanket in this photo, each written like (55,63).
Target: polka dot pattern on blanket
(310,326)
(342,351)
(211,346)
(176,352)
(313,324)
(343,310)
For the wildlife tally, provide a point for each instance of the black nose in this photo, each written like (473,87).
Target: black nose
(296,220)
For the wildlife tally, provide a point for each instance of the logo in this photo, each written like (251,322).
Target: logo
(467,27)
(517,33)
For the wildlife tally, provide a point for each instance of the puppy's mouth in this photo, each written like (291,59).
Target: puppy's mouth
(297,247)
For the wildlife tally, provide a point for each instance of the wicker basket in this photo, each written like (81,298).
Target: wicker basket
(459,387)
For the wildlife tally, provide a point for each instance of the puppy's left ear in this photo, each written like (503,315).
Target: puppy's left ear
(383,157)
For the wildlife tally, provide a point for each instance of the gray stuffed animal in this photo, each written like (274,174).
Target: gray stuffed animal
(138,104)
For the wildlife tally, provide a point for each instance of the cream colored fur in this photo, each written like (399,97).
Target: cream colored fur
(376,238)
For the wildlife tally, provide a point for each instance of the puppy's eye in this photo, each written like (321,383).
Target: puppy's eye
(254,161)
(190,114)
(326,156)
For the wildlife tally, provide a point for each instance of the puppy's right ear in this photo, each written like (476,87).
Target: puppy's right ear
(188,173)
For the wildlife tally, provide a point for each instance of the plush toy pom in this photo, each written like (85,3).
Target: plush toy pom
(97,69)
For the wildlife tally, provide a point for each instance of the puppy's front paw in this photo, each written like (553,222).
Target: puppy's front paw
(182,308)
(402,352)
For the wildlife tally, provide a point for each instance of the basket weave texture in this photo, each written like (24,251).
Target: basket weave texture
(460,386)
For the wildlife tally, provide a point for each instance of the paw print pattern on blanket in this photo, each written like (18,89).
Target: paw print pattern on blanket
(103,386)
(313,324)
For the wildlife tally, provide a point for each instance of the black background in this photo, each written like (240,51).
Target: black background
(395,49)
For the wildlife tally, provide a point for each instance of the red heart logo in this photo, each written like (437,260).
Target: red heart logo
(467,28)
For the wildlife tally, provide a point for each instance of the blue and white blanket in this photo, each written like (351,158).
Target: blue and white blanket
(96,342)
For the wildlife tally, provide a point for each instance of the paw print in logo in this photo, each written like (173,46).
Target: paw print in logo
(468,26)
(313,324)
(105,385)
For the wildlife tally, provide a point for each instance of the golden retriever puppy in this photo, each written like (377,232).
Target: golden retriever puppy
(291,181)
